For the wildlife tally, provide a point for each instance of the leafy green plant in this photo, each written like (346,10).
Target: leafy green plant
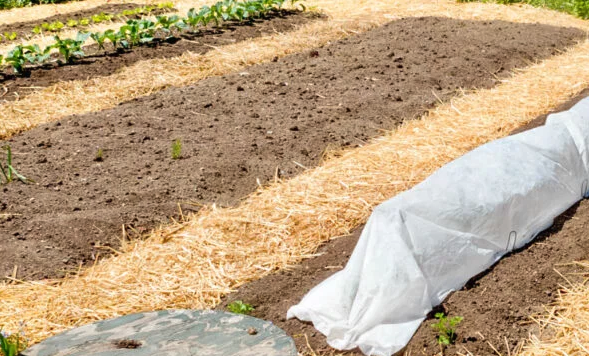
(10,36)
(239,307)
(84,22)
(167,24)
(99,38)
(20,55)
(10,174)
(72,23)
(55,26)
(70,48)
(177,149)
(446,329)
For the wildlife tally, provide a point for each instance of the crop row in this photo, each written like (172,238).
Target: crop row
(138,32)
(9,4)
(57,26)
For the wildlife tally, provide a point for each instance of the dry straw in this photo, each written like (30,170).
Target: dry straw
(566,325)
(191,265)
(346,18)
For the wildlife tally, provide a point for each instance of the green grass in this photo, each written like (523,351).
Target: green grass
(578,8)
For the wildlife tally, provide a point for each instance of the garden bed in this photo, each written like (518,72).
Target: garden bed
(100,63)
(24,29)
(496,305)
(238,131)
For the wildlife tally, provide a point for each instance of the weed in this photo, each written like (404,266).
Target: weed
(239,307)
(8,170)
(446,329)
(177,149)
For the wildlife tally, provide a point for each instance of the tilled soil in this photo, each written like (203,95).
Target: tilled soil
(496,305)
(101,63)
(237,131)
(24,29)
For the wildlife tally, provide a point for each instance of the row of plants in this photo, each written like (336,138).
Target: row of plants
(141,32)
(57,26)
(10,4)
(579,8)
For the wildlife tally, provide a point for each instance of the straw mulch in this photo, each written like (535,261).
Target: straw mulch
(566,325)
(347,17)
(191,265)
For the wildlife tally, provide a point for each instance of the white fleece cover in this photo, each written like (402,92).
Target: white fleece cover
(430,240)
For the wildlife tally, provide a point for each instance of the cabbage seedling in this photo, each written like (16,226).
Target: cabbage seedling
(69,48)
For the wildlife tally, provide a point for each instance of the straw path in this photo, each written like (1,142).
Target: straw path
(568,323)
(193,264)
(346,18)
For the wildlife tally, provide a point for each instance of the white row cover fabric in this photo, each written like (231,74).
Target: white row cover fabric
(430,240)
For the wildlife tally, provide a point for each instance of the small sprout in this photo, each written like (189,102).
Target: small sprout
(10,36)
(99,155)
(72,23)
(84,22)
(239,307)
(11,344)
(177,149)
(446,329)
(8,170)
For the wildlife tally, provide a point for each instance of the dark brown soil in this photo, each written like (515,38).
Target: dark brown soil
(237,130)
(100,63)
(496,305)
(24,29)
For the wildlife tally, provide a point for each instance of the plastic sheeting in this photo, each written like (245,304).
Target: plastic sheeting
(430,240)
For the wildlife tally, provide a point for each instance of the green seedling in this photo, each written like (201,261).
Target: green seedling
(10,174)
(69,48)
(72,23)
(114,37)
(446,329)
(10,36)
(99,38)
(99,155)
(37,30)
(167,24)
(165,5)
(239,307)
(84,22)
(177,149)
(55,26)
(20,55)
